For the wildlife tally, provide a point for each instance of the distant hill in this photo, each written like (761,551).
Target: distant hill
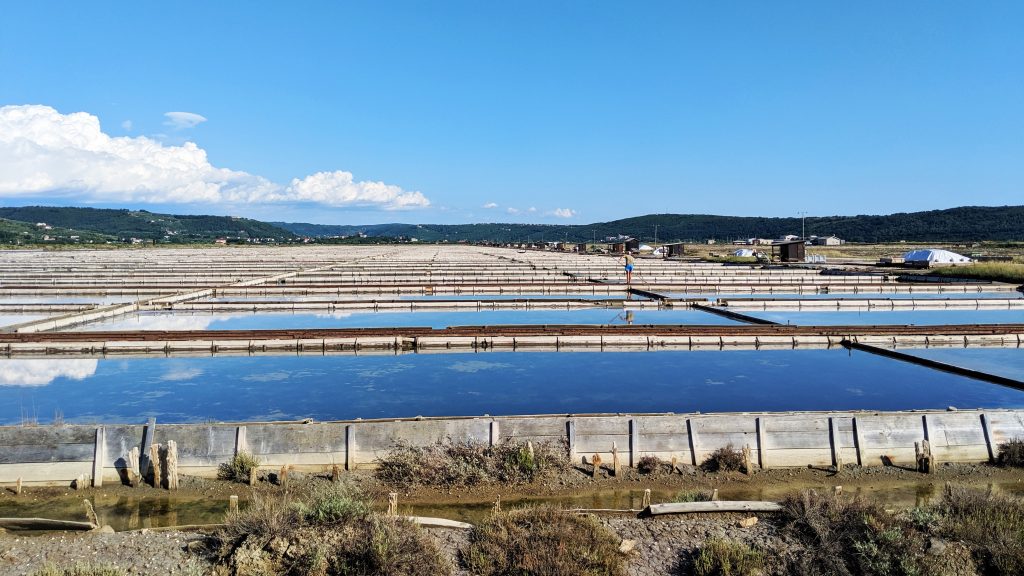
(969,223)
(127,224)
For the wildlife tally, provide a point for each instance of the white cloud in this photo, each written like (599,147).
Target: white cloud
(44,152)
(339,188)
(512,210)
(182,120)
(40,372)
(563,213)
(531,209)
(490,205)
(127,124)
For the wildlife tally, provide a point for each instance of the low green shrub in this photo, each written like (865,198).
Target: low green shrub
(386,546)
(333,503)
(542,541)
(238,468)
(265,518)
(1011,453)
(991,525)
(719,557)
(726,459)
(470,463)
(693,496)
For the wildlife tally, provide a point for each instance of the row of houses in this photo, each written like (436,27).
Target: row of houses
(809,241)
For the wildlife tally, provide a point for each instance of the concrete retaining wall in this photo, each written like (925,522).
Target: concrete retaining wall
(58,455)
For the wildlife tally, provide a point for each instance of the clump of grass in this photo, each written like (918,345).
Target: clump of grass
(992,525)
(238,468)
(388,546)
(847,536)
(720,557)
(693,496)
(544,540)
(649,464)
(996,271)
(334,503)
(1011,453)
(264,518)
(725,459)
(79,570)
(470,463)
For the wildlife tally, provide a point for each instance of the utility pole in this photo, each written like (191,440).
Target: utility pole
(803,225)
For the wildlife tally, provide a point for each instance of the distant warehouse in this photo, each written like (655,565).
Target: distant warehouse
(826,240)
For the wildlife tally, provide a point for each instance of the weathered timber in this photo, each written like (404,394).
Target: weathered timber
(714,506)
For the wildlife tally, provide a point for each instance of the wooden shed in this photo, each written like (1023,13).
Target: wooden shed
(675,249)
(789,251)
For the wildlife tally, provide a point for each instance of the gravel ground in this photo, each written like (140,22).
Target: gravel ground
(139,553)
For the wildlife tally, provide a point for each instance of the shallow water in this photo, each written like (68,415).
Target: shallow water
(370,319)
(878,317)
(499,383)
(1007,362)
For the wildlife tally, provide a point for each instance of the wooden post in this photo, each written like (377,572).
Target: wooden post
(154,457)
(335,473)
(988,438)
(647,498)
(748,465)
(615,461)
(675,464)
(233,504)
(692,435)
(147,441)
(99,457)
(133,467)
(923,455)
(17,487)
(762,448)
(859,441)
(497,505)
(529,451)
(838,491)
(495,438)
(634,443)
(714,495)
(570,431)
(241,442)
(350,446)
(596,460)
(79,482)
(172,465)
(833,441)
(393,504)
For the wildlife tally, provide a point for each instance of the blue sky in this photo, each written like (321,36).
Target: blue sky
(583,111)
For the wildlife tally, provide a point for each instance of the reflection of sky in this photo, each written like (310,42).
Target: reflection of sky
(1007,362)
(921,317)
(9,319)
(435,319)
(341,387)
(40,371)
(67,299)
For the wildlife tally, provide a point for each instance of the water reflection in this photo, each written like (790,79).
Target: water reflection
(40,372)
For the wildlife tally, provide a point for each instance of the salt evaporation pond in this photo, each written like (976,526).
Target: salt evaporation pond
(384,319)
(1006,362)
(846,295)
(879,317)
(347,386)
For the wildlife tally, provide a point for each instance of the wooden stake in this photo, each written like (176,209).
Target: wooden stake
(675,465)
(171,469)
(393,504)
(90,513)
(714,495)
(232,504)
(839,491)
(80,482)
(497,505)
(133,467)
(597,464)
(647,498)
(17,487)
(282,477)
(529,451)
(335,473)
(748,466)
(253,478)
(923,454)
(154,459)
(615,461)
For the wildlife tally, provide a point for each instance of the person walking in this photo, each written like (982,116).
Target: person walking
(629,260)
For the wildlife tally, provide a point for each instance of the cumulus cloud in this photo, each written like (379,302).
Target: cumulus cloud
(182,120)
(44,152)
(563,213)
(40,372)
(490,205)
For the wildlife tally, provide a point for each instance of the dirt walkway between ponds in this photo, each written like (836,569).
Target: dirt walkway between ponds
(135,552)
